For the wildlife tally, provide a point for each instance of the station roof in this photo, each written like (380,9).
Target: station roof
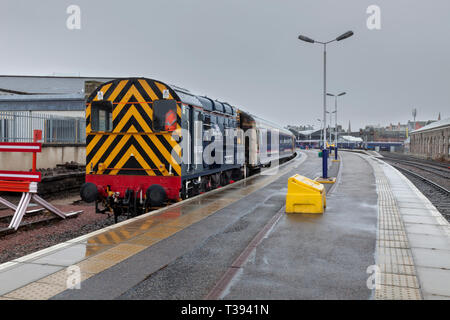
(352,139)
(46,84)
(434,125)
(307,132)
(42,102)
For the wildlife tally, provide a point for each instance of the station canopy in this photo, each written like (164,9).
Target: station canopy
(350,139)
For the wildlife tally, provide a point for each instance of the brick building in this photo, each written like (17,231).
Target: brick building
(432,141)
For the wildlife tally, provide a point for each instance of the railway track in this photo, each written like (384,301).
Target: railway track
(31,220)
(436,169)
(394,156)
(437,194)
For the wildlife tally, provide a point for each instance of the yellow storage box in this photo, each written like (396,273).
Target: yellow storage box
(305,195)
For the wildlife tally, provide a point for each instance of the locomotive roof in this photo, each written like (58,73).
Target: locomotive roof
(188,98)
(207,103)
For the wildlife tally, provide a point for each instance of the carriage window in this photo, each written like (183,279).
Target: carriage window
(101,116)
(164,115)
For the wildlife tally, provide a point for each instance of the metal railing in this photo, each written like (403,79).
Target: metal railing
(18,126)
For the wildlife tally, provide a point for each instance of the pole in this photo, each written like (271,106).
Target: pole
(324,150)
(336,130)
(320,132)
(329,131)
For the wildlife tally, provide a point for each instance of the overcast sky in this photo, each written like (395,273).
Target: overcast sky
(246,52)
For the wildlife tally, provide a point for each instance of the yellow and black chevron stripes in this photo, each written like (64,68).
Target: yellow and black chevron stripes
(131,99)
(136,154)
(132,147)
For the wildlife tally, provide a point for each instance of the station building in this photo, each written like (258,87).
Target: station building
(432,141)
(54,95)
(53,104)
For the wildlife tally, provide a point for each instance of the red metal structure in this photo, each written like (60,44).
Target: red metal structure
(25,182)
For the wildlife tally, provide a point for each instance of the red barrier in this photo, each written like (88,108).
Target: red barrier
(20,147)
(9,179)
(25,182)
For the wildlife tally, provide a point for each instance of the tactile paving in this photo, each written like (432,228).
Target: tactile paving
(92,265)
(397,279)
(60,278)
(397,293)
(397,268)
(36,291)
(391,243)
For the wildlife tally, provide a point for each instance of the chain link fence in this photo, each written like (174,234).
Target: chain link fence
(18,126)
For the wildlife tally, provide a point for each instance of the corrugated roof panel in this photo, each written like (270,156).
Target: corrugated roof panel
(434,125)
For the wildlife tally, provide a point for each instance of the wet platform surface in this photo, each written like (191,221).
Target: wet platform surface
(101,250)
(318,256)
(375,217)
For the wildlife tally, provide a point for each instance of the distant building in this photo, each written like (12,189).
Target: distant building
(432,141)
(414,125)
(391,133)
(47,94)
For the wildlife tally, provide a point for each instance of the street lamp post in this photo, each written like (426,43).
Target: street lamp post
(324,150)
(329,127)
(335,128)
(320,131)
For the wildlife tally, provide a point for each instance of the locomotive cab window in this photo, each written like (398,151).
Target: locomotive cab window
(164,115)
(101,116)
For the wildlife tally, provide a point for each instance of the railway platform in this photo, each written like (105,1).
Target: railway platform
(379,238)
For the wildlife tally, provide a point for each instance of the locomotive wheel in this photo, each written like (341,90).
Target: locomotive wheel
(156,195)
(216,180)
(237,174)
(88,192)
(224,179)
(117,213)
(204,184)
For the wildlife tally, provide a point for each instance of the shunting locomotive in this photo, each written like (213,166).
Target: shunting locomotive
(149,143)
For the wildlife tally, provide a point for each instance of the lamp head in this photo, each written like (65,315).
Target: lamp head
(306,39)
(346,35)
